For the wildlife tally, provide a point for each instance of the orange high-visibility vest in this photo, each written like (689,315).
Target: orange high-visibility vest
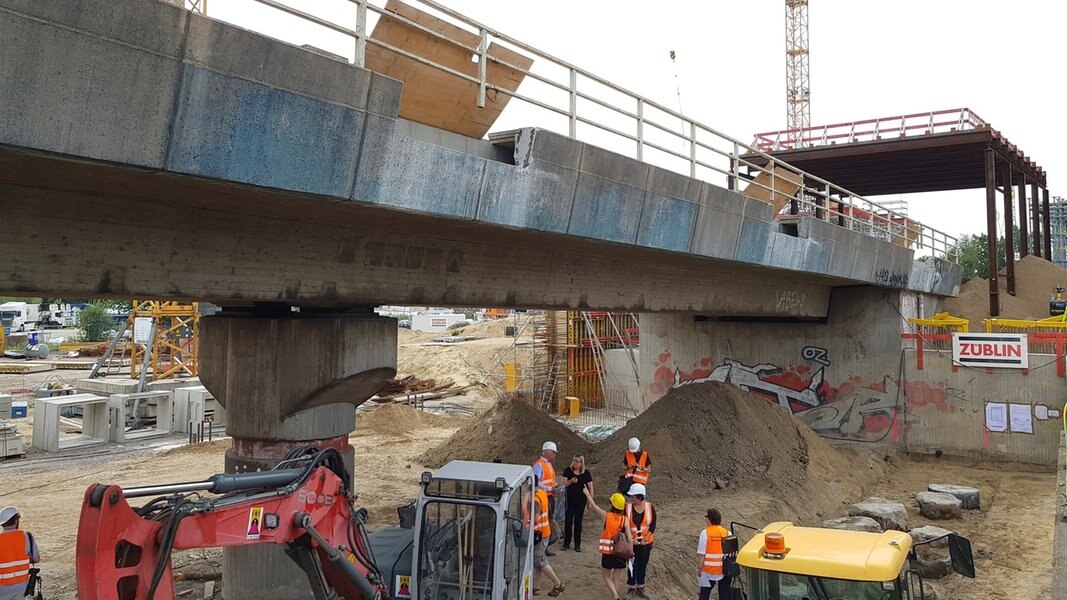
(613,524)
(549,473)
(14,562)
(637,467)
(542,525)
(640,535)
(713,549)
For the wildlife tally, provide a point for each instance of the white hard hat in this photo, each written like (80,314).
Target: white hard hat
(7,513)
(636,489)
(635,444)
(548,446)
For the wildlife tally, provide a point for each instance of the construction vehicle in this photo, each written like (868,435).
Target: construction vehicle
(1056,304)
(19,316)
(786,562)
(465,537)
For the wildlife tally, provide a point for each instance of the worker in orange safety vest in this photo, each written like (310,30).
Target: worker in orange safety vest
(642,521)
(638,463)
(545,471)
(709,548)
(611,566)
(18,550)
(542,528)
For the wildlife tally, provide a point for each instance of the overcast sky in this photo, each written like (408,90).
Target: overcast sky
(1004,60)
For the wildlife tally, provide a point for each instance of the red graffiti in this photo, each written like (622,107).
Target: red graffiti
(662,381)
(664,357)
(922,394)
(705,362)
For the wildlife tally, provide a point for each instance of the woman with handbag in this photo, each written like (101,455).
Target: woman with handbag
(616,545)
(642,521)
(712,559)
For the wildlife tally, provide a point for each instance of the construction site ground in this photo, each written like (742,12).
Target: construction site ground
(779,471)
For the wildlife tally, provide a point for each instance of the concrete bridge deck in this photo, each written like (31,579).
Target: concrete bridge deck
(147,151)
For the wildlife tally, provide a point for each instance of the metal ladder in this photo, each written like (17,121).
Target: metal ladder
(548,393)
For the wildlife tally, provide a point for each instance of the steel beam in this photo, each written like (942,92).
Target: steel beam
(1048,229)
(1009,231)
(1035,220)
(991,230)
(1024,222)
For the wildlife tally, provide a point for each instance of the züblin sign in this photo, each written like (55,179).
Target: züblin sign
(1007,350)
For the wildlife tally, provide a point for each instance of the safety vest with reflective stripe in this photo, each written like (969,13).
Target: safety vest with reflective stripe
(713,549)
(640,534)
(14,562)
(613,524)
(637,467)
(548,473)
(542,525)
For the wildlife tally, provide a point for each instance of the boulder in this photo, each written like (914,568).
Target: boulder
(889,514)
(968,495)
(934,569)
(930,532)
(936,505)
(853,524)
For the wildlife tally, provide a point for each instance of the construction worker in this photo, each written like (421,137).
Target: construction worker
(545,472)
(642,521)
(709,548)
(638,463)
(18,550)
(542,532)
(611,566)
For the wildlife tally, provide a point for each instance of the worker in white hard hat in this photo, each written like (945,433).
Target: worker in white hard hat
(638,465)
(545,471)
(642,521)
(18,551)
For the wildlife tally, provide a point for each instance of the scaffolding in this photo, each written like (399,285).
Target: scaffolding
(164,340)
(1058,230)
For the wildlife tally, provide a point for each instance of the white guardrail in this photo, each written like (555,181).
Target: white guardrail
(658,135)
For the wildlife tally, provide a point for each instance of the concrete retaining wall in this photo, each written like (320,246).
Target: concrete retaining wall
(1059,540)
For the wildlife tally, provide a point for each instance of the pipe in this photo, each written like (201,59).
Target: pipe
(349,570)
(220,484)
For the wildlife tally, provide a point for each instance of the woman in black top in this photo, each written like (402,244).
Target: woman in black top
(576,478)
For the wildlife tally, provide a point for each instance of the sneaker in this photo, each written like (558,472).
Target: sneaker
(641,593)
(577,548)
(565,547)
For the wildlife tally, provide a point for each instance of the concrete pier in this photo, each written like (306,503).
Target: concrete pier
(289,379)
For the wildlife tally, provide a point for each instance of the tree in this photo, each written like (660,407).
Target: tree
(972,250)
(95,323)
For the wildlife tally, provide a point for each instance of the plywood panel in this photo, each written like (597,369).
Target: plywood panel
(786,185)
(432,96)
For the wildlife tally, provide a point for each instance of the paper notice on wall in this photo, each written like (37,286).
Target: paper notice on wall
(142,330)
(996,416)
(1041,412)
(1053,413)
(1021,418)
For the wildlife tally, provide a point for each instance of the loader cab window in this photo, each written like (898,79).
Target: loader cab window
(457,551)
(772,585)
(515,546)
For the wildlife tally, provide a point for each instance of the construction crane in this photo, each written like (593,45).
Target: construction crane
(797,84)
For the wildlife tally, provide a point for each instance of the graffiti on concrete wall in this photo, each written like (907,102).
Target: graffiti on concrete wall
(816,354)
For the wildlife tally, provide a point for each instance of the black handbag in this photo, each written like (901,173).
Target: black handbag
(624,484)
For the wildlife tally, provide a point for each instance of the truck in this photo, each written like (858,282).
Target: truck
(19,316)
(467,536)
(785,562)
(56,316)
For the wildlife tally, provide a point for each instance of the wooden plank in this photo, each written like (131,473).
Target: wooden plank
(432,96)
(786,185)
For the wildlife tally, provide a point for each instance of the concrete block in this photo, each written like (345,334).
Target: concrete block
(935,276)
(757,209)
(169,385)
(930,532)
(934,569)
(614,167)
(106,386)
(47,425)
(721,199)
(80,80)
(232,129)
(241,53)
(140,416)
(968,496)
(889,514)
(755,242)
(605,209)
(663,182)
(412,175)
(5,407)
(853,524)
(667,222)
(195,404)
(716,233)
(533,198)
(817,253)
(787,252)
(936,505)
(534,146)
(453,141)
(384,97)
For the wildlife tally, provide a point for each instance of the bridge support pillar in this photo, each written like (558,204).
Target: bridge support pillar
(288,379)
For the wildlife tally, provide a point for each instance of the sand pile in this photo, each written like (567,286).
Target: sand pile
(511,431)
(1035,279)
(399,419)
(709,434)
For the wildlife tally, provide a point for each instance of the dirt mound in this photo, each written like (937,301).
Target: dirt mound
(1035,279)
(511,431)
(399,419)
(712,434)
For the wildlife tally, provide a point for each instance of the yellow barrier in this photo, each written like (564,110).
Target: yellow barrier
(942,322)
(1051,324)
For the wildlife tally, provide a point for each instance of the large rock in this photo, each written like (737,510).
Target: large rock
(936,505)
(930,532)
(889,514)
(853,524)
(934,569)
(968,495)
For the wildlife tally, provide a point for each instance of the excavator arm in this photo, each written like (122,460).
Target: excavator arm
(124,551)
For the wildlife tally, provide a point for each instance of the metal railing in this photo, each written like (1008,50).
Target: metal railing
(595,110)
(867,130)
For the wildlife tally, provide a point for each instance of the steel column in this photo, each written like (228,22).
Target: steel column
(1009,231)
(991,230)
(1024,225)
(1048,229)
(1035,221)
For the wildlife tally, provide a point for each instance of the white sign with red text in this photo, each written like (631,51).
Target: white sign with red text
(1005,350)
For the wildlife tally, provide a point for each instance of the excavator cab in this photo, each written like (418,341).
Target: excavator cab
(469,538)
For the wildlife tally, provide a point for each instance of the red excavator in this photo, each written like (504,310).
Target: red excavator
(467,536)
